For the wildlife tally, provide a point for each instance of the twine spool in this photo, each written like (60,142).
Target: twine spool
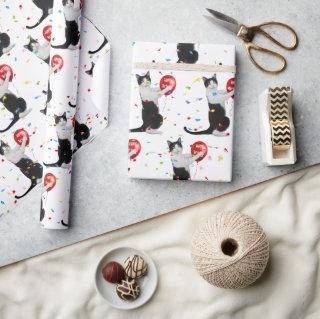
(230,250)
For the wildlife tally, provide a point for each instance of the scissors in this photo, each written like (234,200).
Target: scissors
(247,34)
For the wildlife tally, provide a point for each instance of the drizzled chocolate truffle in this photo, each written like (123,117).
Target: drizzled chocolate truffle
(113,272)
(135,266)
(128,289)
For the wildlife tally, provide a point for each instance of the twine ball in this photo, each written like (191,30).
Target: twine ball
(230,250)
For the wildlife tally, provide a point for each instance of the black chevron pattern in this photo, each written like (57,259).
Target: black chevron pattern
(279,118)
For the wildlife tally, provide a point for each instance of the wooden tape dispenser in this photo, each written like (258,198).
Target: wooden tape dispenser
(278,143)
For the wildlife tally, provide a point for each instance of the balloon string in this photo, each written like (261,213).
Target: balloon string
(197,163)
(165,104)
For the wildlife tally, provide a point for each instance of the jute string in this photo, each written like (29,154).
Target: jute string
(230,250)
(184,67)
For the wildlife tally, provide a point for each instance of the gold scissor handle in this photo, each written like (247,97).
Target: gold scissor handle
(259,29)
(251,46)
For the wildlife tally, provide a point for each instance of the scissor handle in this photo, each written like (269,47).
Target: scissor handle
(251,46)
(259,29)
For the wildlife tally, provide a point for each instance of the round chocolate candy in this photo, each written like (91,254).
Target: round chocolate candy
(135,266)
(128,289)
(113,272)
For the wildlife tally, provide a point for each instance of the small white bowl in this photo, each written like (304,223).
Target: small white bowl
(147,283)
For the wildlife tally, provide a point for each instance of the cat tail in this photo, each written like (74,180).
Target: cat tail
(138,129)
(56,164)
(60,46)
(14,121)
(33,184)
(72,105)
(105,41)
(40,20)
(207,131)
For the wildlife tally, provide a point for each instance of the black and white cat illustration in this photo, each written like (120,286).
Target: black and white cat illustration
(218,120)
(46,7)
(64,133)
(151,118)
(5,46)
(181,162)
(72,12)
(48,93)
(42,51)
(90,71)
(81,134)
(30,169)
(15,105)
(187,53)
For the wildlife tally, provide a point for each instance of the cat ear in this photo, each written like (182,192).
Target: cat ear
(148,74)
(169,143)
(179,140)
(204,79)
(138,76)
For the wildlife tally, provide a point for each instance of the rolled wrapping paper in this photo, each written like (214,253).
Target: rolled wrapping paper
(61,111)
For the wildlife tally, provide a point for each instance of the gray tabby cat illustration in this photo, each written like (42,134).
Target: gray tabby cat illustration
(181,162)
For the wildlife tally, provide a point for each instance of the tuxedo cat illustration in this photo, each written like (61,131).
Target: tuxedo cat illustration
(15,105)
(90,71)
(81,134)
(151,118)
(46,7)
(218,120)
(64,133)
(72,12)
(187,53)
(5,46)
(48,93)
(181,162)
(30,169)
(42,51)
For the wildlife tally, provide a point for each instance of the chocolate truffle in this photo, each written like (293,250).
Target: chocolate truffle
(113,272)
(128,289)
(135,266)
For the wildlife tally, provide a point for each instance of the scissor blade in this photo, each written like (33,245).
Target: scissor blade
(225,21)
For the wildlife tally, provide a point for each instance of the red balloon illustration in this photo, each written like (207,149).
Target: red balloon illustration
(134,145)
(198,147)
(4,69)
(57,60)
(230,85)
(168,80)
(19,135)
(50,181)
(47,30)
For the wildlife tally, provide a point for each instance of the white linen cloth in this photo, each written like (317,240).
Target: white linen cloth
(60,284)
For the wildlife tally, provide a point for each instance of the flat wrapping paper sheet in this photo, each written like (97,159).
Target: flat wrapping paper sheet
(56,100)
(103,198)
(181,111)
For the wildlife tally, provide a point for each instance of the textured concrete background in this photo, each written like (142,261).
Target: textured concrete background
(103,198)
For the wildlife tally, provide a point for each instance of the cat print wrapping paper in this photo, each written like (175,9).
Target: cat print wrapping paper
(181,111)
(54,78)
